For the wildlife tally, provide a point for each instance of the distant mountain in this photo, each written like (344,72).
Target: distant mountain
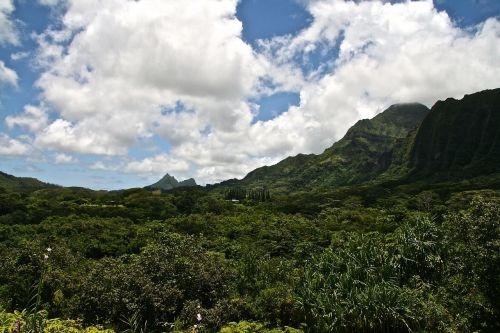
(459,137)
(22,184)
(169,182)
(362,154)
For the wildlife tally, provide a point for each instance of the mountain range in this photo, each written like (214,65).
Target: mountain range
(455,139)
(406,142)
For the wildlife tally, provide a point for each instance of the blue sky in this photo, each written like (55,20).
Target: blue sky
(101,125)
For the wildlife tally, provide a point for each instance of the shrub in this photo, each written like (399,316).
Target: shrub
(354,287)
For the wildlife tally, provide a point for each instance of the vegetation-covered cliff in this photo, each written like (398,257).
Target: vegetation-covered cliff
(459,137)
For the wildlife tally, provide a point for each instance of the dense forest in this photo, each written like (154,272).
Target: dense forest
(138,261)
(413,246)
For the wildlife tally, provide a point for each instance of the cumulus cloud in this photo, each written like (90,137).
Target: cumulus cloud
(7,75)
(19,55)
(81,138)
(159,164)
(34,118)
(136,60)
(64,159)
(50,3)
(387,53)
(120,72)
(101,166)
(8,32)
(12,147)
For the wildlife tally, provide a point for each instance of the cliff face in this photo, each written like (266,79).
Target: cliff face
(459,137)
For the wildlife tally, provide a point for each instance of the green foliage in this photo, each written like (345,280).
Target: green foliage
(418,250)
(21,322)
(400,257)
(259,194)
(155,284)
(254,327)
(354,287)
(472,239)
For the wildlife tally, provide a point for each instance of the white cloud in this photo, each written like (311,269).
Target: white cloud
(388,53)
(8,32)
(101,166)
(7,75)
(19,55)
(33,118)
(64,159)
(159,164)
(130,60)
(121,72)
(64,136)
(12,147)
(50,3)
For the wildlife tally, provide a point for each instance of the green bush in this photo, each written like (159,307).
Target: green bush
(354,287)
(255,327)
(157,284)
(26,322)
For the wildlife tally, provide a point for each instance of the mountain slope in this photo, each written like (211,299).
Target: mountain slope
(169,182)
(459,137)
(23,184)
(362,154)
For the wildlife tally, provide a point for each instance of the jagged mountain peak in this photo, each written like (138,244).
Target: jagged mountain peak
(169,182)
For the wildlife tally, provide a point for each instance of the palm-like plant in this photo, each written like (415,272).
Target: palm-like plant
(356,288)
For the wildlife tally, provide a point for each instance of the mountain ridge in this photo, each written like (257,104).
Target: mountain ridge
(27,184)
(371,140)
(407,142)
(459,136)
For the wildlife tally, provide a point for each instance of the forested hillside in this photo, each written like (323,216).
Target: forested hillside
(21,184)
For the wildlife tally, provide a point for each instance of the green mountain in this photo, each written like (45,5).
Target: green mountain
(22,184)
(361,155)
(456,139)
(459,137)
(169,182)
